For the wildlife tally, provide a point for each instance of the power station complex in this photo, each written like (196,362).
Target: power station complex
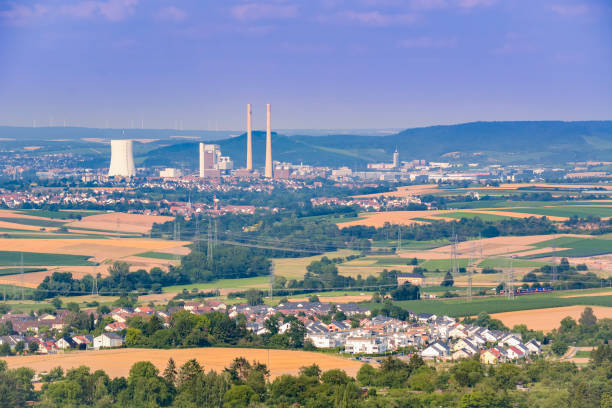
(211,162)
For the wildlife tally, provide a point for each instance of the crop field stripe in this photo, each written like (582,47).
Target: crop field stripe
(471,215)
(565,211)
(33,222)
(13,258)
(158,255)
(461,307)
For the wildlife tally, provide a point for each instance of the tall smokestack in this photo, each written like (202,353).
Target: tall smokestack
(202,160)
(268,172)
(249,165)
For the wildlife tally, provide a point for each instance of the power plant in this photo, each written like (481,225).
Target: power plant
(122,159)
(268,169)
(249,160)
(211,161)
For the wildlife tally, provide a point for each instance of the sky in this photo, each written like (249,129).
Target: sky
(322,64)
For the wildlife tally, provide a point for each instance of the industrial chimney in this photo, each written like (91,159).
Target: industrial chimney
(122,159)
(268,170)
(249,161)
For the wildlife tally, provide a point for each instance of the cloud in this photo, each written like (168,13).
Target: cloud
(428,42)
(112,10)
(474,3)
(261,11)
(570,10)
(376,18)
(171,13)
(428,4)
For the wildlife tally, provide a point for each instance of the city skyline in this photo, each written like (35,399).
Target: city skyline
(323,64)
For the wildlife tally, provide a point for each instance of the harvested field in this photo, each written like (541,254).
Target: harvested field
(406,191)
(337,299)
(117,363)
(120,222)
(609,293)
(378,219)
(550,318)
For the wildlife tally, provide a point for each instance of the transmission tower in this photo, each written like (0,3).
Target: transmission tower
(22,289)
(554,259)
(469,271)
(271,280)
(510,280)
(196,238)
(454,256)
(209,251)
(399,238)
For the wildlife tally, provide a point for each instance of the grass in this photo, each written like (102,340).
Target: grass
(33,222)
(583,354)
(565,211)
(238,284)
(505,263)
(59,215)
(578,247)
(443,264)
(461,307)
(470,215)
(158,255)
(12,271)
(12,258)
(295,268)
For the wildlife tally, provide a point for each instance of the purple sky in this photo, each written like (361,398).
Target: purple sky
(321,63)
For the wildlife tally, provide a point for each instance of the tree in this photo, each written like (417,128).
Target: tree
(587,318)
(271,323)
(32,347)
(311,371)
(170,372)
(296,333)
(448,280)
(20,347)
(254,297)
(559,347)
(57,303)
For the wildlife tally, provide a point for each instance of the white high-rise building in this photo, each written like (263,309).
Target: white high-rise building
(122,159)
(209,158)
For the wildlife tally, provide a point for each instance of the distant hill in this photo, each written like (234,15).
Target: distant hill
(506,142)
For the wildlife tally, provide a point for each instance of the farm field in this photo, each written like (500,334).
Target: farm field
(244,283)
(498,304)
(12,258)
(295,268)
(573,246)
(548,319)
(118,362)
(120,222)
(485,216)
(602,211)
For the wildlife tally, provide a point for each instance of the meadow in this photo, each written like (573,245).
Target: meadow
(13,258)
(602,211)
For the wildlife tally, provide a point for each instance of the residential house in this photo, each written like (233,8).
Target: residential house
(365,345)
(108,340)
(65,343)
(436,350)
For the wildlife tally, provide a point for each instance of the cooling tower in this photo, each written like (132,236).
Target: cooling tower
(268,170)
(249,163)
(122,159)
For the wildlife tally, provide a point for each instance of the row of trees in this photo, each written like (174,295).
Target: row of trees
(465,384)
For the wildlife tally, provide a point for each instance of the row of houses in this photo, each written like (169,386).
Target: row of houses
(49,345)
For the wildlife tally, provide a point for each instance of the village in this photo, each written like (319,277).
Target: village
(439,338)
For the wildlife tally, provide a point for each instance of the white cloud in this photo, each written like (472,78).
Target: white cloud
(171,13)
(260,11)
(112,10)
(475,3)
(570,9)
(428,42)
(377,19)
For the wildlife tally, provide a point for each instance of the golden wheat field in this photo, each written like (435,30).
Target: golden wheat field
(117,363)
(550,318)
(121,222)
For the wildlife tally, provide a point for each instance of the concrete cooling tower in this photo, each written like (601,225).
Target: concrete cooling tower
(122,159)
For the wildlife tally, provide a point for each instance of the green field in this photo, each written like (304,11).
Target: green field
(295,268)
(578,247)
(469,215)
(12,271)
(411,245)
(565,211)
(462,307)
(443,264)
(238,284)
(59,215)
(505,263)
(582,354)
(32,222)
(158,255)
(13,258)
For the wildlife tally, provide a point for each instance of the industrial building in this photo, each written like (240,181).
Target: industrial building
(122,159)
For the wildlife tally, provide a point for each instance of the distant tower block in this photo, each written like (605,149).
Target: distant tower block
(201,159)
(268,170)
(249,163)
(122,159)
(396,158)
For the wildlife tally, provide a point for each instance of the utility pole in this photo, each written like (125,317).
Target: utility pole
(510,280)
(22,289)
(209,250)
(196,238)
(469,272)
(271,280)
(399,238)
(554,259)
